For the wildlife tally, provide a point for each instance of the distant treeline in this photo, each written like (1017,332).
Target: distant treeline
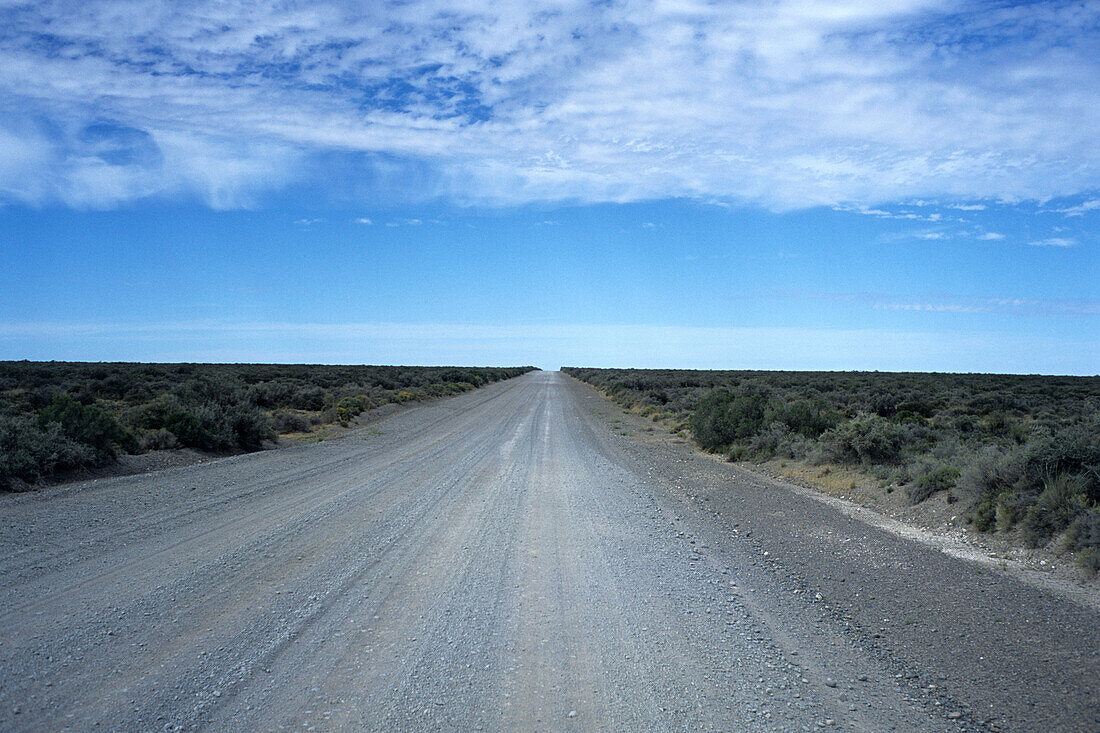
(1022,452)
(59,416)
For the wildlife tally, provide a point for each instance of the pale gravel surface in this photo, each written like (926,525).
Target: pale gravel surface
(508,560)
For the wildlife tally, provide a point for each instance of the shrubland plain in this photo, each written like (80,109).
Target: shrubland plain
(57,417)
(1019,453)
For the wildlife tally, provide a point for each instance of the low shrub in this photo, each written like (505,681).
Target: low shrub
(250,427)
(808,418)
(1084,532)
(865,439)
(349,408)
(1046,487)
(778,440)
(159,439)
(205,430)
(723,418)
(1089,560)
(942,478)
(1060,503)
(989,476)
(30,450)
(308,398)
(289,422)
(89,425)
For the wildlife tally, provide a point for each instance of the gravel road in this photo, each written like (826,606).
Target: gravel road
(522,557)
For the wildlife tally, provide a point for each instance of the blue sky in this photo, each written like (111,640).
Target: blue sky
(794,185)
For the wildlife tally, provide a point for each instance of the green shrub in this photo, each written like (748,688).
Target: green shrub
(349,408)
(1075,450)
(159,439)
(867,439)
(204,429)
(308,398)
(270,394)
(1084,531)
(778,440)
(1089,560)
(1056,508)
(942,478)
(990,474)
(289,422)
(88,424)
(1044,485)
(408,395)
(153,415)
(30,451)
(250,427)
(723,418)
(808,418)
(913,411)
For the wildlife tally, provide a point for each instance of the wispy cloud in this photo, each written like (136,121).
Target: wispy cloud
(900,214)
(1018,306)
(961,303)
(308,222)
(1081,209)
(784,104)
(1055,242)
(990,236)
(917,235)
(364,220)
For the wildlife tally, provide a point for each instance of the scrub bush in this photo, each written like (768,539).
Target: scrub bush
(159,439)
(941,478)
(250,427)
(289,422)
(30,450)
(723,418)
(867,439)
(89,425)
(1061,502)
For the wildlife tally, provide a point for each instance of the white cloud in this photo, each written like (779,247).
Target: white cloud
(784,104)
(1081,209)
(963,304)
(364,220)
(888,214)
(990,236)
(308,222)
(1055,242)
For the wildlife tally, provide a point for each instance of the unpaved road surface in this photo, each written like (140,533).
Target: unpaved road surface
(509,559)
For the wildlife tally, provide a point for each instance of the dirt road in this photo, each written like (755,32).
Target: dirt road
(509,559)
